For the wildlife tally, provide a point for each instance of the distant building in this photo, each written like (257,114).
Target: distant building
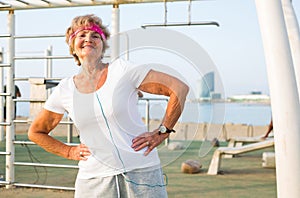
(256,92)
(207,85)
(215,96)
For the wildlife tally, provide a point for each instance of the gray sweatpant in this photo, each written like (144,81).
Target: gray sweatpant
(134,184)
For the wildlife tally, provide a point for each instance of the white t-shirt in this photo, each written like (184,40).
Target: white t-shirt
(107,120)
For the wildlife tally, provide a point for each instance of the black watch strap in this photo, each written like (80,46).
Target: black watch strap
(164,129)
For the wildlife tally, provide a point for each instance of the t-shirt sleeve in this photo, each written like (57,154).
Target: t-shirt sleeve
(137,73)
(54,102)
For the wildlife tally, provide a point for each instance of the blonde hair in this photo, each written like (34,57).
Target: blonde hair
(85,21)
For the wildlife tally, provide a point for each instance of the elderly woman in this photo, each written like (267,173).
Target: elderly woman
(117,156)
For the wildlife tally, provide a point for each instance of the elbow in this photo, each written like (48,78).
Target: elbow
(32,135)
(185,89)
(181,92)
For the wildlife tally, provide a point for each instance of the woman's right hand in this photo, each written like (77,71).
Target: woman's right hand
(80,152)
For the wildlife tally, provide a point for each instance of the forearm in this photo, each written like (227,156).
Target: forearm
(51,144)
(39,131)
(175,107)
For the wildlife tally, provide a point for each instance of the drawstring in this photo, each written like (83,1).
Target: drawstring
(118,188)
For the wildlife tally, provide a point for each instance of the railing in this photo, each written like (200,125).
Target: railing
(9,124)
(147,118)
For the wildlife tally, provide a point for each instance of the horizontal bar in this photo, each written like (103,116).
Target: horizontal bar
(24,142)
(32,143)
(5,94)
(43,186)
(5,6)
(4,182)
(46,57)
(149,99)
(20,121)
(5,65)
(66,122)
(5,35)
(29,121)
(181,24)
(39,36)
(26,79)
(5,153)
(41,57)
(5,123)
(45,165)
(28,100)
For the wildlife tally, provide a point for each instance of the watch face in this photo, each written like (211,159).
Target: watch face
(163,129)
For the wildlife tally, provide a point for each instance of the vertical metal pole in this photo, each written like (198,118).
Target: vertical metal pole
(10,130)
(147,114)
(294,36)
(1,98)
(115,29)
(70,131)
(284,96)
(49,66)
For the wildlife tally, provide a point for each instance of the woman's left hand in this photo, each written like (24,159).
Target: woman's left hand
(148,139)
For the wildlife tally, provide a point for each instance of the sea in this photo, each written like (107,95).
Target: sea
(256,114)
(249,113)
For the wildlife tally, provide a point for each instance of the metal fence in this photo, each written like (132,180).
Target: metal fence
(10,122)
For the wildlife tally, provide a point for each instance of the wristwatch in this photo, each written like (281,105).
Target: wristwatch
(163,129)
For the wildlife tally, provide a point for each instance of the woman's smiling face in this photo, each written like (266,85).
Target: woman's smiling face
(88,43)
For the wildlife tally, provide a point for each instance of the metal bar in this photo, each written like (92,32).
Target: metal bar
(5,123)
(189,11)
(28,121)
(4,65)
(66,122)
(70,131)
(41,57)
(28,100)
(43,186)
(49,66)
(166,12)
(182,24)
(45,165)
(153,99)
(4,153)
(5,35)
(45,57)
(5,94)
(39,36)
(4,182)
(24,2)
(1,98)
(24,142)
(81,4)
(46,2)
(26,79)
(21,121)
(32,143)
(115,30)
(10,129)
(147,114)
(5,6)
